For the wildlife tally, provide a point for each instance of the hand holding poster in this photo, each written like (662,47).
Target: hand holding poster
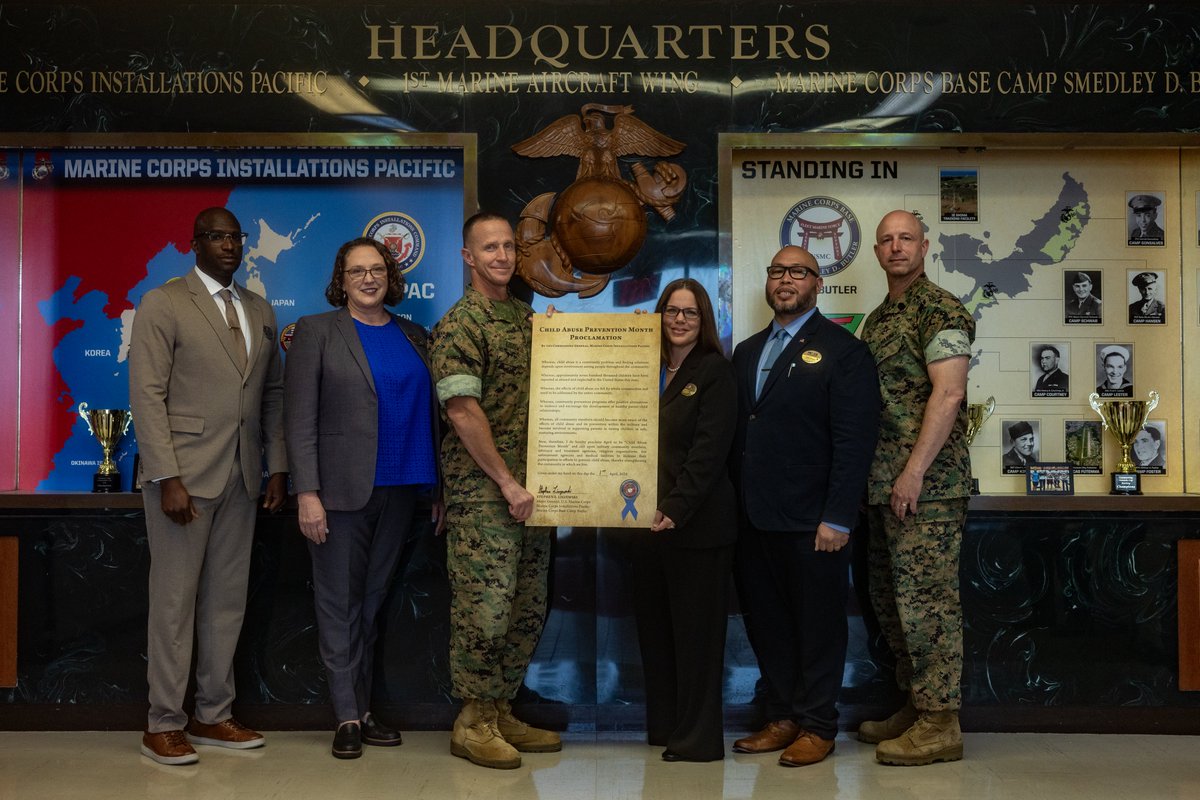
(593,420)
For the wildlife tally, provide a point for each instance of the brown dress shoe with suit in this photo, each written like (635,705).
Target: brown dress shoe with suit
(227,733)
(168,747)
(807,749)
(776,735)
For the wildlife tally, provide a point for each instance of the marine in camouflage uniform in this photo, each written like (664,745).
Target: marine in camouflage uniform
(480,350)
(918,489)
(497,565)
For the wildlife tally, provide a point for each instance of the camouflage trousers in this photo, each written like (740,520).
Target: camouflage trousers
(913,574)
(497,572)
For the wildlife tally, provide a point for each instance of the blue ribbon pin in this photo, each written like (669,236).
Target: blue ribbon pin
(630,491)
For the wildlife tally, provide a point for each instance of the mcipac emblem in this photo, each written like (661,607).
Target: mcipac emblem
(825,227)
(401,235)
(285,335)
(573,241)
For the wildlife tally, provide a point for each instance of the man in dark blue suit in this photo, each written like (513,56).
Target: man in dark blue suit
(808,413)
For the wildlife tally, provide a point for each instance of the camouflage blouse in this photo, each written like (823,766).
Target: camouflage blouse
(926,324)
(481,349)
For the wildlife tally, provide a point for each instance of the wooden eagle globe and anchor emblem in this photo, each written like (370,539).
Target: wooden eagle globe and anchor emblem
(573,241)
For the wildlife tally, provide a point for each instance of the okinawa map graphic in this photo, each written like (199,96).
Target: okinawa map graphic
(1048,243)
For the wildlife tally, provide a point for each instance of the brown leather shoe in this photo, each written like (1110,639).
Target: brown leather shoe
(807,749)
(168,747)
(776,735)
(227,733)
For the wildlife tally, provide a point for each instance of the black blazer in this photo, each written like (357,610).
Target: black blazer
(803,450)
(331,411)
(695,430)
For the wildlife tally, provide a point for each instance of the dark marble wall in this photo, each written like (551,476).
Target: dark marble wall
(1068,611)
(1069,616)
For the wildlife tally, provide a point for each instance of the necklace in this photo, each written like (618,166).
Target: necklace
(673,369)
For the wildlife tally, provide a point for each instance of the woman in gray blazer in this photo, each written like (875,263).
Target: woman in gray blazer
(361,423)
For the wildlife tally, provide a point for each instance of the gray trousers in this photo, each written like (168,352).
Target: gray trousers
(352,572)
(198,578)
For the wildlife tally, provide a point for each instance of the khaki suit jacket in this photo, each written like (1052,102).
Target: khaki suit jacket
(192,408)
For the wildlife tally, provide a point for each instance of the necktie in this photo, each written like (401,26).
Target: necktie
(239,341)
(773,350)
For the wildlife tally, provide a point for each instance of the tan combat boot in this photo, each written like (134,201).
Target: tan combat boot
(476,738)
(935,736)
(524,737)
(875,732)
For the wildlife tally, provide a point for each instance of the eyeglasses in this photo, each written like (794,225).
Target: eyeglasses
(217,237)
(775,272)
(357,274)
(690,314)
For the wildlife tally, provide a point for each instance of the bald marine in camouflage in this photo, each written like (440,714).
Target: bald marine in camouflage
(917,491)
(479,354)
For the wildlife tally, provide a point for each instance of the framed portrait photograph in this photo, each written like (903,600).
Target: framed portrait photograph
(1197,219)
(1021,441)
(1049,478)
(1144,219)
(1114,369)
(1146,290)
(1149,450)
(1048,373)
(1081,297)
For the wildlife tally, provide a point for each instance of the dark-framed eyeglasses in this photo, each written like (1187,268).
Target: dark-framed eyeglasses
(690,314)
(357,274)
(218,237)
(775,272)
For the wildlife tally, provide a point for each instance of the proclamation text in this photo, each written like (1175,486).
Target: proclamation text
(593,420)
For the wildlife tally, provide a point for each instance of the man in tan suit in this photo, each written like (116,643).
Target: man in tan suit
(206,390)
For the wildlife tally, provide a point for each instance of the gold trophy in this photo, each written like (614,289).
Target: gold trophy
(1124,418)
(977,414)
(108,425)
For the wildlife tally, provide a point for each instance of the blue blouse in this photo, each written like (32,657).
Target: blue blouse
(406,449)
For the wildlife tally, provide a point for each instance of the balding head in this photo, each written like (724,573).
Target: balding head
(900,246)
(794,290)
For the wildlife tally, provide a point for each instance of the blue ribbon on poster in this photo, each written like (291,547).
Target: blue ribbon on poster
(630,491)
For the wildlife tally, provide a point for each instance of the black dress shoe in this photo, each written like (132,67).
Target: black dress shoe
(671,756)
(379,735)
(347,742)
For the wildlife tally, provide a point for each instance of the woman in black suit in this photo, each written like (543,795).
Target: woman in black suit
(361,426)
(683,564)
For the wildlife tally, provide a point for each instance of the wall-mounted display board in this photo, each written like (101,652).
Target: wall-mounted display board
(1079,261)
(89,224)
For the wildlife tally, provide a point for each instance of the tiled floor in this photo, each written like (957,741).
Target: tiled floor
(296,766)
